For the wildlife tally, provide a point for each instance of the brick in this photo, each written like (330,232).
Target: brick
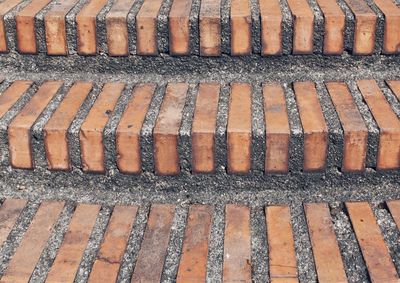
(35,238)
(277,129)
(56,129)
(237,244)
(365,27)
(115,241)
(19,131)
(388,123)
(239,128)
(12,94)
(303,34)
(395,87)
(166,130)
(334,25)
(5,7)
(66,263)
(210,28)
(271,27)
(375,252)
(355,131)
(314,126)
(10,210)
(203,130)
(240,21)
(129,128)
(56,35)
(179,27)
(394,207)
(86,27)
(391,40)
(325,247)
(25,24)
(146,27)
(193,262)
(282,257)
(91,132)
(152,252)
(117,28)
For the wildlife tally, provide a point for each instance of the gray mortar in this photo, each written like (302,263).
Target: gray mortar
(319,27)
(373,131)
(380,26)
(40,28)
(37,133)
(14,238)
(163,27)
(259,246)
(134,242)
(216,246)
(194,39)
(349,25)
(287,28)
(101,32)
(355,268)
(70,27)
(226,26)
(391,97)
(390,232)
(221,128)
(53,244)
(335,131)
(109,133)
(174,249)
(255,27)
(258,129)
(7,119)
(89,256)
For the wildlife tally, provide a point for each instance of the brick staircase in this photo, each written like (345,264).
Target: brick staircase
(199,140)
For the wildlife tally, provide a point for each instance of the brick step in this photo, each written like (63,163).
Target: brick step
(170,128)
(212,28)
(57,241)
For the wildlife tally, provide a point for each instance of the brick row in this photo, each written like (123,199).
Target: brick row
(127,136)
(196,239)
(152,24)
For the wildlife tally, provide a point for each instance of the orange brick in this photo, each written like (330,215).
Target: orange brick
(128,131)
(391,42)
(117,28)
(325,247)
(394,207)
(334,21)
(193,262)
(19,131)
(355,131)
(395,87)
(166,130)
(146,28)
(203,130)
(303,35)
(210,28)
(314,126)
(12,94)
(152,252)
(69,255)
(179,27)
(240,27)
(110,255)
(277,130)
(376,255)
(55,131)
(25,24)
(271,27)
(35,238)
(388,123)
(86,27)
(56,35)
(239,129)
(364,34)
(237,244)
(5,7)
(10,210)
(91,132)
(282,257)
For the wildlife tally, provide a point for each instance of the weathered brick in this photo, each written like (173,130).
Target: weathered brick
(210,28)
(240,21)
(179,27)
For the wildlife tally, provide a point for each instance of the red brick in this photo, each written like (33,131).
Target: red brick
(210,28)
(12,94)
(5,7)
(179,27)
(10,210)
(240,27)
(271,27)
